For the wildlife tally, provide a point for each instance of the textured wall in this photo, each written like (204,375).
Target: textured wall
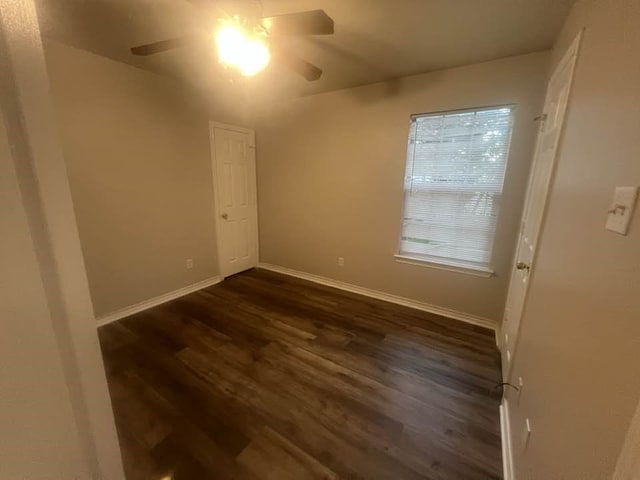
(139,166)
(580,337)
(330,179)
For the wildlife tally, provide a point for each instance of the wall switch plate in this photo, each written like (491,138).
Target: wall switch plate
(189,263)
(341,261)
(621,210)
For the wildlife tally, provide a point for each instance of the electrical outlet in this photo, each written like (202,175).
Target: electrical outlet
(189,263)
(341,261)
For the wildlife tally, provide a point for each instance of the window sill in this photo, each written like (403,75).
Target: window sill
(450,266)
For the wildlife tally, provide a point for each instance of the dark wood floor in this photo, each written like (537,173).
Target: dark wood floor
(268,377)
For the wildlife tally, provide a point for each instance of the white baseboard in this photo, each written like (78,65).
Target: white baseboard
(407,302)
(152,302)
(505,429)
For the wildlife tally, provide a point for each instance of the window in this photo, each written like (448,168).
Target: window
(456,163)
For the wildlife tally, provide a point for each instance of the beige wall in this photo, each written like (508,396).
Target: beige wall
(55,412)
(580,339)
(34,389)
(330,176)
(137,153)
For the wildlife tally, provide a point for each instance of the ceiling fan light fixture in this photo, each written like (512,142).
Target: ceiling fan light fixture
(245,44)
(237,48)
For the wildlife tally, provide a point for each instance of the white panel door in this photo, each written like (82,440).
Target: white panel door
(236,202)
(539,181)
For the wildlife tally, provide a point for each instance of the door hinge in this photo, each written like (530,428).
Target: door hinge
(541,118)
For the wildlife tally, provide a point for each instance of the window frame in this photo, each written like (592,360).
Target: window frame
(442,263)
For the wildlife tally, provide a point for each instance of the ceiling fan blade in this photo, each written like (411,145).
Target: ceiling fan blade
(164,45)
(297,64)
(313,22)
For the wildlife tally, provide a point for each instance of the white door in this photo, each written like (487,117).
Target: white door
(539,180)
(236,199)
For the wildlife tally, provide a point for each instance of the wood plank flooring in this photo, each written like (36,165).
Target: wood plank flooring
(267,377)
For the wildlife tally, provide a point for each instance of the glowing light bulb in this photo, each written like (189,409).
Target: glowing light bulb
(248,54)
(228,40)
(255,57)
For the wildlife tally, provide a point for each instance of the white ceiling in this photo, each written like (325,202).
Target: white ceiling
(375,39)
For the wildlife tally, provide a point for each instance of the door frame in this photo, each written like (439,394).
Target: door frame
(214,178)
(571,54)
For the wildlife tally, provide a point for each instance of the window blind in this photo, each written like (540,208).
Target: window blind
(456,163)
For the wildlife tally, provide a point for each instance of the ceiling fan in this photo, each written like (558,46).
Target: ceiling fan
(249,45)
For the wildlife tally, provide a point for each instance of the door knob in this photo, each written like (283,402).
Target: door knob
(225,215)
(523,266)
